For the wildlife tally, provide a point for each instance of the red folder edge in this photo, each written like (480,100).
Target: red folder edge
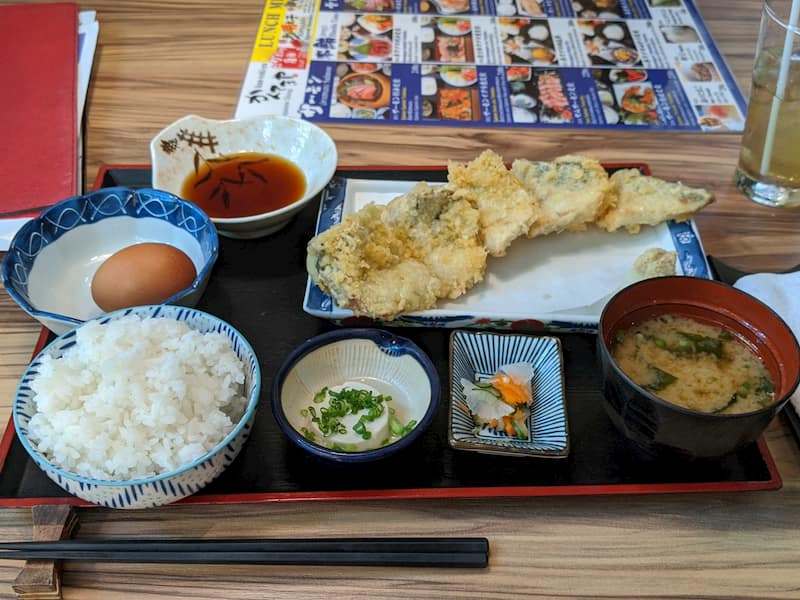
(38,107)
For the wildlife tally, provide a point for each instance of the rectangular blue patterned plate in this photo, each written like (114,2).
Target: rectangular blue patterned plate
(555,282)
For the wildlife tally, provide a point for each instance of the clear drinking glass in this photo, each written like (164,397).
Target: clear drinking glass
(768,171)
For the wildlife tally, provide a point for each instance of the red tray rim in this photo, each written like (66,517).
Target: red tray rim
(773,483)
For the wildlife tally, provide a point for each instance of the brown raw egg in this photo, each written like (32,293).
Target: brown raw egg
(146,273)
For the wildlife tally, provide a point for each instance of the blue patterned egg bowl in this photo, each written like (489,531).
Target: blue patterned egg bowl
(84,227)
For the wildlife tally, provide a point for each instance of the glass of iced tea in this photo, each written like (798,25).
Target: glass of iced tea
(769,161)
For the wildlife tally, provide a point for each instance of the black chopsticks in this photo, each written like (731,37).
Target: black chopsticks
(383,552)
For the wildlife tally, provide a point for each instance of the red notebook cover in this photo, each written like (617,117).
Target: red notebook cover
(38,106)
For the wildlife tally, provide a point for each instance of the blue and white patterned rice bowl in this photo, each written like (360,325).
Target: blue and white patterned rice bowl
(52,259)
(477,355)
(391,364)
(167,487)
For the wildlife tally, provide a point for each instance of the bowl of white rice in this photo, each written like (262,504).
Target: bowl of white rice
(139,407)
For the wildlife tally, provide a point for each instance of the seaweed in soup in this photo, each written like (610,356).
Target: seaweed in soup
(694,365)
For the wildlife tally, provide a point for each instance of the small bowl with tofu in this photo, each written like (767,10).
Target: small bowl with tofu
(355,395)
(109,249)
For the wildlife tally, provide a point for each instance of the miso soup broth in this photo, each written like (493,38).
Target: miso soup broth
(694,365)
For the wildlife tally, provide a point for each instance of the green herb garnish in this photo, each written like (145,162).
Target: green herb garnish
(351,401)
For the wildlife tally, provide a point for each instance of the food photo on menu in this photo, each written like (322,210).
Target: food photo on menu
(609,43)
(627,96)
(527,41)
(680,34)
(447,40)
(697,72)
(384,6)
(449,93)
(537,96)
(444,7)
(525,7)
(719,117)
(366,37)
(603,9)
(362,91)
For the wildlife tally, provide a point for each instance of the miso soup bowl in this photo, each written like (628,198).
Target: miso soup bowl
(657,426)
(178,149)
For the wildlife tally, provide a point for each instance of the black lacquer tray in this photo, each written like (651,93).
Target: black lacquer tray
(258,286)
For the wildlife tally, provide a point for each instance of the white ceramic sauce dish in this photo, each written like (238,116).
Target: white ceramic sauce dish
(176,151)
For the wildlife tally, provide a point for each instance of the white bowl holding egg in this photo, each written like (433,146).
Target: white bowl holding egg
(372,360)
(51,263)
(189,158)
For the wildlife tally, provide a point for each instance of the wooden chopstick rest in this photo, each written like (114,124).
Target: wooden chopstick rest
(41,579)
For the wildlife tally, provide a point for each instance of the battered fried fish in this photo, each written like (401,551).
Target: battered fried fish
(507,209)
(636,200)
(655,262)
(572,191)
(386,260)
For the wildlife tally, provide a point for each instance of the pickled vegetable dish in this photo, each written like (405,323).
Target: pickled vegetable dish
(501,404)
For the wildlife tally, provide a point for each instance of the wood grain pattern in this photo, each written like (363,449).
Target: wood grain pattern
(41,579)
(158,61)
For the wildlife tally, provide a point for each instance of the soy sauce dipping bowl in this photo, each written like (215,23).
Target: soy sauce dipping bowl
(179,149)
(659,427)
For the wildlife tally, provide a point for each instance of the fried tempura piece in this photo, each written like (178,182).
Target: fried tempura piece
(655,262)
(572,191)
(507,209)
(386,260)
(636,200)
(446,234)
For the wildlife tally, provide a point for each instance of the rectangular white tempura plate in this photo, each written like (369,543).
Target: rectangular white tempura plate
(557,282)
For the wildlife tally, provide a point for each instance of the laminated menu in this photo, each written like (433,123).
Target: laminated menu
(45,74)
(492,63)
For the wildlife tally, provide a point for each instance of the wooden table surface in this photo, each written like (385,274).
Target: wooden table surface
(157,61)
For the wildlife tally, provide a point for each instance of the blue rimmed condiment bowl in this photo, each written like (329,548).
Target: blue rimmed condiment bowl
(372,360)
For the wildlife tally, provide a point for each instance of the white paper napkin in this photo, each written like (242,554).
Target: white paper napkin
(782,294)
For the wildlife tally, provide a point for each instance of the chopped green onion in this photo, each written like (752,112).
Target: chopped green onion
(409,426)
(395,426)
(346,401)
(361,429)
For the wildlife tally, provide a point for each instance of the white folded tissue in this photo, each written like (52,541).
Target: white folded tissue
(780,292)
